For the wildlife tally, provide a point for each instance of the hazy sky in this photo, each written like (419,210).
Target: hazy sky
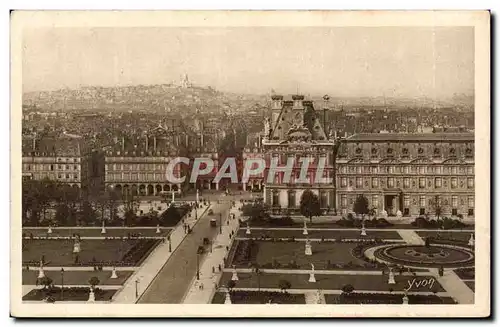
(341,61)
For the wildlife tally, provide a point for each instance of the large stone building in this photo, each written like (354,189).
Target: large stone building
(56,157)
(137,164)
(410,173)
(294,132)
(399,173)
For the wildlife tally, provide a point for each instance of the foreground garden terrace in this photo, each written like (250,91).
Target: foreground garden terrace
(318,234)
(71,277)
(251,297)
(96,232)
(334,282)
(69,294)
(111,252)
(384,298)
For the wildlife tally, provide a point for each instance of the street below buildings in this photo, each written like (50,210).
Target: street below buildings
(175,277)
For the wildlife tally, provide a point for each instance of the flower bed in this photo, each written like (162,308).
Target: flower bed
(69,294)
(246,252)
(385,298)
(111,252)
(255,297)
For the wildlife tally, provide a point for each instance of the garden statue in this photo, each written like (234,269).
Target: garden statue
(363,229)
(248,232)
(305,228)
(76,246)
(158,231)
(103,229)
(391,277)
(173,196)
(235,274)
(228,298)
(41,273)
(384,214)
(91,295)
(312,278)
(471,240)
(49,231)
(308,248)
(399,214)
(113,274)
(405,297)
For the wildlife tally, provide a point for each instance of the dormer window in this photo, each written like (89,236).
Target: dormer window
(390,151)
(436,151)
(405,151)
(374,152)
(420,150)
(452,151)
(358,150)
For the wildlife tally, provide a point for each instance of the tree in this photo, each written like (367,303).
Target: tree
(230,285)
(309,205)
(130,218)
(46,282)
(257,210)
(93,282)
(347,289)
(284,285)
(361,206)
(436,205)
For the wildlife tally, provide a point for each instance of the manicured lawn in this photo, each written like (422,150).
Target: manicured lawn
(250,297)
(367,298)
(108,252)
(110,232)
(446,235)
(471,285)
(79,294)
(331,282)
(77,277)
(286,252)
(348,234)
(465,273)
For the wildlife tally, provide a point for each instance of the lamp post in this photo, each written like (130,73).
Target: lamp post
(197,266)
(136,288)
(62,284)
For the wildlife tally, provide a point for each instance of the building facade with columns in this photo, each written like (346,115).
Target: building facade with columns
(253,150)
(408,174)
(137,164)
(293,132)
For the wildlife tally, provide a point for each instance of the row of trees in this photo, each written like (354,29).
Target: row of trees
(48,201)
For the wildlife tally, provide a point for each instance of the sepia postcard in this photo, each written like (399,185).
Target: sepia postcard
(250,164)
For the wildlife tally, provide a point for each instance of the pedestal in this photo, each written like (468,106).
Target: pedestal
(76,248)
(312,279)
(471,240)
(391,278)
(363,231)
(228,299)
(305,231)
(41,273)
(103,230)
(405,299)
(308,249)
(158,231)
(49,231)
(91,296)
(235,276)
(248,232)
(113,274)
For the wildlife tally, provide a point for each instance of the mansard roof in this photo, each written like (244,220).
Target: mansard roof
(288,127)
